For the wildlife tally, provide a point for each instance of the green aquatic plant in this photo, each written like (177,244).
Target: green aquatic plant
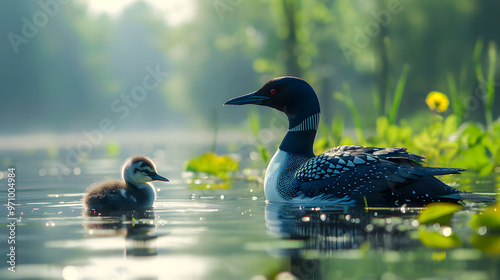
(254,123)
(212,164)
(488,83)
(439,212)
(445,140)
(480,227)
(346,97)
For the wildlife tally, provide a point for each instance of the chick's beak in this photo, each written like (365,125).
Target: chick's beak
(157,177)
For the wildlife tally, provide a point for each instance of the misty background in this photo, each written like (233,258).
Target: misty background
(126,66)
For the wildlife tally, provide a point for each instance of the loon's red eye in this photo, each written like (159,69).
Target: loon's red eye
(273,91)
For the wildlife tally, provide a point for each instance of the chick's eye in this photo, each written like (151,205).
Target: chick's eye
(273,91)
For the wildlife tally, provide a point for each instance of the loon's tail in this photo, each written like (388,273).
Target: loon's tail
(468,196)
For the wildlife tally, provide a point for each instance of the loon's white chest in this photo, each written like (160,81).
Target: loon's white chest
(276,166)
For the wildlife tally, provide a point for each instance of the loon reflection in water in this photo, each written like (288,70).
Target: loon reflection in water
(335,231)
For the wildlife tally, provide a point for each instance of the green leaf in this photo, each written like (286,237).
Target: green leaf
(471,135)
(489,244)
(437,240)
(439,212)
(487,169)
(211,186)
(450,125)
(113,149)
(264,153)
(489,218)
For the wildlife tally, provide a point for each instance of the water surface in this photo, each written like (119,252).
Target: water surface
(210,233)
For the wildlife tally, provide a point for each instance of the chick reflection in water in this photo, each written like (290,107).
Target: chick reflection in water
(133,193)
(124,207)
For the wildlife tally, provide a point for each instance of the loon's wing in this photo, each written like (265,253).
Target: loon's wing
(359,172)
(394,164)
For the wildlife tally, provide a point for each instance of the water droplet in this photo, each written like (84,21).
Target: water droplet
(221,197)
(254,155)
(446,231)
(482,230)
(369,227)
(77,171)
(71,273)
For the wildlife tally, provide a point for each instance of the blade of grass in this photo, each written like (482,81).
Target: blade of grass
(490,86)
(398,93)
(452,87)
(377,102)
(390,80)
(215,120)
(478,48)
(347,99)
(337,129)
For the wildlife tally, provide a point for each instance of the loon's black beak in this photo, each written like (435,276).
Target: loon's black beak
(157,177)
(249,98)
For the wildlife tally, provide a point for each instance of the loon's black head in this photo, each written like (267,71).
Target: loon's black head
(139,170)
(290,95)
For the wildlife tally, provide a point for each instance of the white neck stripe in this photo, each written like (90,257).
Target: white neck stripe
(310,123)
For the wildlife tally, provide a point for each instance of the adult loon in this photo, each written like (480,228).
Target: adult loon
(133,193)
(365,175)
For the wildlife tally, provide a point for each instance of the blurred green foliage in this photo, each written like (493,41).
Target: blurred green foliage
(445,139)
(78,63)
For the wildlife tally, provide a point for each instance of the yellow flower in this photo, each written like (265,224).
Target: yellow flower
(437,101)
